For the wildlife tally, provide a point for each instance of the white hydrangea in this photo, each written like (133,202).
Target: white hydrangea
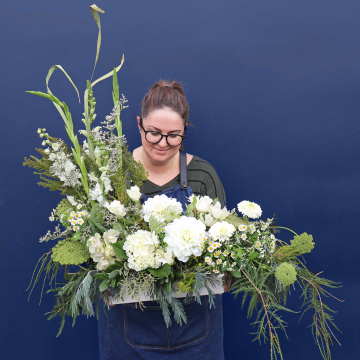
(157,205)
(185,237)
(222,231)
(249,209)
(142,249)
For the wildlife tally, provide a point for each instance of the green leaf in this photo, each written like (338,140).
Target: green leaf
(110,268)
(101,276)
(235,273)
(167,287)
(117,226)
(118,248)
(113,274)
(104,285)
(163,271)
(177,274)
(113,282)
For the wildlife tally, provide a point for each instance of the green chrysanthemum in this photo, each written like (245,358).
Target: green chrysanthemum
(303,243)
(68,252)
(286,274)
(171,213)
(236,221)
(63,207)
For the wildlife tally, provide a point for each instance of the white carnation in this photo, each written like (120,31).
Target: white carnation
(222,231)
(142,250)
(157,205)
(249,209)
(184,237)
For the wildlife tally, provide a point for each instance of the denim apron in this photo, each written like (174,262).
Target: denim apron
(127,332)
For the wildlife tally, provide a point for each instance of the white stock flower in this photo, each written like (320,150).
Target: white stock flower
(250,209)
(96,192)
(156,206)
(111,236)
(107,184)
(208,220)
(142,250)
(134,193)
(103,263)
(47,151)
(92,177)
(217,212)
(95,244)
(52,156)
(117,208)
(203,204)
(222,231)
(184,237)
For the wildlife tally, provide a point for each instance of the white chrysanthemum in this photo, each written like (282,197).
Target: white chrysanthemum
(157,205)
(184,236)
(142,250)
(222,231)
(250,209)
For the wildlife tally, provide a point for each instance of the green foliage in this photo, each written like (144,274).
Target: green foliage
(235,220)
(286,273)
(303,243)
(63,207)
(163,271)
(68,252)
(154,225)
(187,283)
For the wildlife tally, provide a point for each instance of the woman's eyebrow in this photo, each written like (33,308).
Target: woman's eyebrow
(153,127)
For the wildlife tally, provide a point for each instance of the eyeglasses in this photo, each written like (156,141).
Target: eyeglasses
(155,137)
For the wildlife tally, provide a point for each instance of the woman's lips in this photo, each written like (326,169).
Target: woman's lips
(161,151)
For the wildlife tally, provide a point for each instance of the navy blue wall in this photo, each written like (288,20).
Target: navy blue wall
(274,93)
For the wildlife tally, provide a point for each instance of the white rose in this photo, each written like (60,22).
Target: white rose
(203,204)
(117,208)
(134,193)
(217,212)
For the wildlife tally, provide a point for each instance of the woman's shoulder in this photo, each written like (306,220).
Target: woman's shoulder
(201,164)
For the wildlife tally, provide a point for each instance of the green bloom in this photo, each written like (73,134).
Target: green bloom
(63,207)
(303,243)
(286,274)
(68,252)
(171,213)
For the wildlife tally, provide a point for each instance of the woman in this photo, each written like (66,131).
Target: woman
(128,332)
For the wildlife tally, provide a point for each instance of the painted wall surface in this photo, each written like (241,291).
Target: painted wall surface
(273,88)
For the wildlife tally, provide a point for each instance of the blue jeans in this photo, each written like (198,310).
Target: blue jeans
(127,332)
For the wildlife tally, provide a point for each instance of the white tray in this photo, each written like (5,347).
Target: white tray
(218,289)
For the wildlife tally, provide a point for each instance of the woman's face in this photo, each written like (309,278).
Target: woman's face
(164,121)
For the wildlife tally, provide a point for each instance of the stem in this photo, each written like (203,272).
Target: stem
(281,227)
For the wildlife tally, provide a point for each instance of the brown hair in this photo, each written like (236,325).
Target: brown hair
(166,94)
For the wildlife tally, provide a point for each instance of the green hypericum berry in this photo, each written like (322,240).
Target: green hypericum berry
(68,252)
(303,243)
(286,274)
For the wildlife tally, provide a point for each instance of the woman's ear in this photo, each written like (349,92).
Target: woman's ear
(138,121)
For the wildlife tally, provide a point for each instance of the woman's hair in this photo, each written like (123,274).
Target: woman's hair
(166,94)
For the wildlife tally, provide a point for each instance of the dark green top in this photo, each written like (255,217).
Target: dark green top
(202,178)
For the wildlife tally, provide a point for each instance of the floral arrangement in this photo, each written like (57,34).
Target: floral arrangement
(113,243)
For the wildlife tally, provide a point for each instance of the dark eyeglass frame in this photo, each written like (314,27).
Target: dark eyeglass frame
(165,136)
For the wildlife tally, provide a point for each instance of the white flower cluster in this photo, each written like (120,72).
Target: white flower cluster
(157,206)
(144,251)
(75,218)
(102,186)
(185,236)
(101,250)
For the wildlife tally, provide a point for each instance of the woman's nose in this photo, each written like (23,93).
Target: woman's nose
(163,142)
